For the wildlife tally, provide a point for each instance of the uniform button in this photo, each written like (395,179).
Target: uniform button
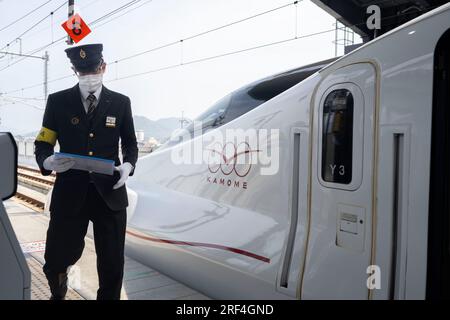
(91,153)
(91,135)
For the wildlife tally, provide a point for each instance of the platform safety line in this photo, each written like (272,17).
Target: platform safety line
(33,246)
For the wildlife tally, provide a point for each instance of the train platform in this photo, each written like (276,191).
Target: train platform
(140,282)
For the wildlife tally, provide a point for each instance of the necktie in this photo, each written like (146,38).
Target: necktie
(91,99)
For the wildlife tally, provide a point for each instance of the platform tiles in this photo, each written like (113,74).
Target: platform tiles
(140,282)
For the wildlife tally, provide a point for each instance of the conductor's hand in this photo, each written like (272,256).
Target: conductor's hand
(124,170)
(59,165)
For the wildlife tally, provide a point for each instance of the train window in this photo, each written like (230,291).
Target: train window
(241,103)
(215,111)
(211,117)
(337,137)
(247,99)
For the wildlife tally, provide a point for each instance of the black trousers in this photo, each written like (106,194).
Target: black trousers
(65,243)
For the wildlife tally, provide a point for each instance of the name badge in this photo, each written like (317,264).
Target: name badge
(110,122)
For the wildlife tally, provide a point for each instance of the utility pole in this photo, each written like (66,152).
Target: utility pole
(21,55)
(336,39)
(71,13)
(20,41)
(182,119)
(46,58)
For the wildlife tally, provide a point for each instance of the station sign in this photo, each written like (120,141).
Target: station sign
(76,28)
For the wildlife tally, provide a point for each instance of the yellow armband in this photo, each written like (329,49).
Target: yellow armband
(48,136)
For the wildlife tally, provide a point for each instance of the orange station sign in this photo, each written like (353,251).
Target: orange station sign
(76,28)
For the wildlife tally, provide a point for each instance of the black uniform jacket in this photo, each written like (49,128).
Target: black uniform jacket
(65,121)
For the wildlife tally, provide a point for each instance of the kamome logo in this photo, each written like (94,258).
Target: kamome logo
(231,153)
(231,158)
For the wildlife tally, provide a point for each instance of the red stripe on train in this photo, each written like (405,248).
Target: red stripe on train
(199,244)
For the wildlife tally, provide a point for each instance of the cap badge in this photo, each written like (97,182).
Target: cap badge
(82,54)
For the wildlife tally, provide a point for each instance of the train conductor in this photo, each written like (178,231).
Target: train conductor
(87,120)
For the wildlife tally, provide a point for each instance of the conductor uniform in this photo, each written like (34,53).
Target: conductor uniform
(90,124)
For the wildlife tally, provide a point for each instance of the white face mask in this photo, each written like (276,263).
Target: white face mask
(91,82)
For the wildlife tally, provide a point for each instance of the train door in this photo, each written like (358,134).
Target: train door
(340,232)
(438,264)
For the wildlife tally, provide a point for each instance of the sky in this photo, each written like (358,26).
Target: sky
(185,87)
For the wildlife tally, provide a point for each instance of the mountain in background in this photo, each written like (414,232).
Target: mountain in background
(160,129)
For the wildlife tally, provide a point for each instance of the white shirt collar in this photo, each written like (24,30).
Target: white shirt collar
(85,93)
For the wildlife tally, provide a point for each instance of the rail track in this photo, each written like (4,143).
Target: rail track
(49,182)
(29,177)
(33,170)
(30,201)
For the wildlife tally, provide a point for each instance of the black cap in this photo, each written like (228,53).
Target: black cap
(86,58)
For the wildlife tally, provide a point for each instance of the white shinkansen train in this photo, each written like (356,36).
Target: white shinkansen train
(354,203)
(352,199)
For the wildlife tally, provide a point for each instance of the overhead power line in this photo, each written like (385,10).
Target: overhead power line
(153,49)
(26,98)
(26,15)
(173,66)
(221,55)
(201,59)
(14,101)
(181,41)
(109,14)
(52,25)
(234,23)
(34,25)
(113,12)
(163,46)
(207,32)
(22,55)
(38,84)
(125,13)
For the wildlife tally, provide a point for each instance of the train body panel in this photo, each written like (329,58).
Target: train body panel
(190,205)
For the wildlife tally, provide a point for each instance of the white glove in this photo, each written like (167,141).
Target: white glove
(59,165)
(124,170)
